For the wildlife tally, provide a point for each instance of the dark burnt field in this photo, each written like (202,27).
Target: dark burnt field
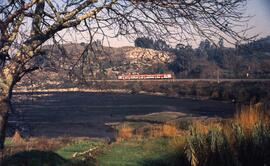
(85,114)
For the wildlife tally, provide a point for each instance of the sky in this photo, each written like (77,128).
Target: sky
(258,9)
(260,21)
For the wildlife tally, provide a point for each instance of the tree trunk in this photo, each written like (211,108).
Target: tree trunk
(5,108)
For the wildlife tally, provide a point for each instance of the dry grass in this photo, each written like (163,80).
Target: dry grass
(162,130)
(155,131)
(249,116)
(17,138)
(203,126)
(43,144)
(124,133)
(178,142)
(169,130)
(242,139)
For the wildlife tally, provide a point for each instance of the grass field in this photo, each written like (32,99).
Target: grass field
(145,152)
(159,151)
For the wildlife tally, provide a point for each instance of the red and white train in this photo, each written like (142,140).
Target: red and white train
(132,76)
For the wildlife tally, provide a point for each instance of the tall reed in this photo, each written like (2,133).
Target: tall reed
(245,141)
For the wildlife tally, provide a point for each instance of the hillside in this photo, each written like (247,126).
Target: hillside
(77,63)
(80,63)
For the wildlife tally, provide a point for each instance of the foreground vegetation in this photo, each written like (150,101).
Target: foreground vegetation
(241,140)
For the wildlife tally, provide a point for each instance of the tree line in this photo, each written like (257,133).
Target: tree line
(241,61)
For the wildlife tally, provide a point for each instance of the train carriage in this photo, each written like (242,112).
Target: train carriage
(144,76)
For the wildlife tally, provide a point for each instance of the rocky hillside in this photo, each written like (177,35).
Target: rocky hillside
(78,63)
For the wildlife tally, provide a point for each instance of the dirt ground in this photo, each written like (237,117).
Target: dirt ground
(78,114)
